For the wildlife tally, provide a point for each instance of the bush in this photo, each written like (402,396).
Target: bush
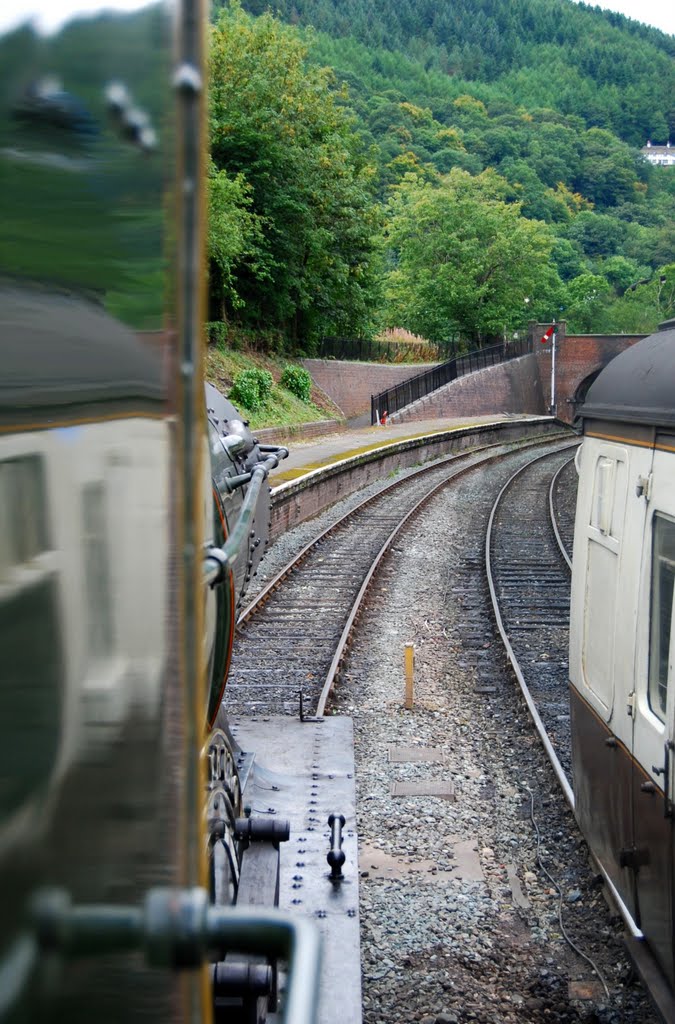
(297,381)
(216,332)
(251,388)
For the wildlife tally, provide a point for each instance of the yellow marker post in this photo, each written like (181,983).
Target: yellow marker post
(409,658)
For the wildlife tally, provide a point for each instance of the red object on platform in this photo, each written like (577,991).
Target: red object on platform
(548,335)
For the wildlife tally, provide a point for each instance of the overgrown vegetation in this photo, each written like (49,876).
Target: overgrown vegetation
(280,407)
(298,381)
(251,388)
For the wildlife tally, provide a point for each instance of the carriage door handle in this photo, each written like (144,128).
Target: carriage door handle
(665,771)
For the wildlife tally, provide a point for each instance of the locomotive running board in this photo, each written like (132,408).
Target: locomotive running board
(305,772)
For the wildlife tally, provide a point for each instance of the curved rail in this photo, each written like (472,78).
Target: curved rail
(298,559)
(342,643)
(529,700)
(393,522)
(554,522)
(344,638)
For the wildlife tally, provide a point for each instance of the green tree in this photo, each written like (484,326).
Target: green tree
(234,235)
(587,296)
(644,305)
(276,124)
(465,260)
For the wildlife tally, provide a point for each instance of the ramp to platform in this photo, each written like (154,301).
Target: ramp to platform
(304,771)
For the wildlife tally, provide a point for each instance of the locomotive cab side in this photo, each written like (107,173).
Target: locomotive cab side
(622,635)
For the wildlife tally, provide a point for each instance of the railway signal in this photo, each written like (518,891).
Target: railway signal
(550,335)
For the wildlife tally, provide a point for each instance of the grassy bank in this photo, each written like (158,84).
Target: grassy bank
(281,408)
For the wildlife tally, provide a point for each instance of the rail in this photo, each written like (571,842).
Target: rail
(396,398)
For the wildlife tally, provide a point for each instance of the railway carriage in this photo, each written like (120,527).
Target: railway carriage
(622,635)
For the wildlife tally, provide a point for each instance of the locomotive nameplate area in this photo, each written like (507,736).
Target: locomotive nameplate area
(306,773)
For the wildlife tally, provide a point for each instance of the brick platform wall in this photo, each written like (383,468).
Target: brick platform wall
(350,385)
(297,500)
(509,387)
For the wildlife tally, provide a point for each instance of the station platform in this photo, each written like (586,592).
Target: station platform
(306,456)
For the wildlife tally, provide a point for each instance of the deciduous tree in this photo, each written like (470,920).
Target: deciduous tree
(465,260)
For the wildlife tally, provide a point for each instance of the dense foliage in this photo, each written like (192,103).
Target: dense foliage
(298,381)
(423,164)
(548,97)
(600,66)
(466,260)
(250,388)
(293,249)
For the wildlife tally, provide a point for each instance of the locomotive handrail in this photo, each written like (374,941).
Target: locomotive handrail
(178,928)
(219,560)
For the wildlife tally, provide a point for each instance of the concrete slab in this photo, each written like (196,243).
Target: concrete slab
(427,787)
(377,864)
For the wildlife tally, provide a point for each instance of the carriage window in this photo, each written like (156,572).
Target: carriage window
(609,492)
(97,571)
(661,612)
(23,526)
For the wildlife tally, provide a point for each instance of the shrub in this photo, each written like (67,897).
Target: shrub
(251,388)
(297,381)
(216,332)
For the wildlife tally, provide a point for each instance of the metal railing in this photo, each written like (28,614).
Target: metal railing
(396,398)
(372,350)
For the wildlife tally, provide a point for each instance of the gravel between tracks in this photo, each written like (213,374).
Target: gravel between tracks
(459,923)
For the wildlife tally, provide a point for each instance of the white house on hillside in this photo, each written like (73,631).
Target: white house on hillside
(663,155)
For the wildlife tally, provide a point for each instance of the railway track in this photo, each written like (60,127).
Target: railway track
(458,917)
(292,638)
(528,569)
(562,509)
(528,572)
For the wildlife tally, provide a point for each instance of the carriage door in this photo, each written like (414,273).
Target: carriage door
(654,720)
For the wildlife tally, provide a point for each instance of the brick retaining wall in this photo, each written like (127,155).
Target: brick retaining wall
(507,387)
(350,384)
(518,386)
(298,432)
(577,358)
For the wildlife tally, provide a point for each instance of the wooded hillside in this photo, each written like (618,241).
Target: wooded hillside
(477,118)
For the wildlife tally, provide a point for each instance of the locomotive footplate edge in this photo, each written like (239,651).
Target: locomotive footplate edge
(304,772)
